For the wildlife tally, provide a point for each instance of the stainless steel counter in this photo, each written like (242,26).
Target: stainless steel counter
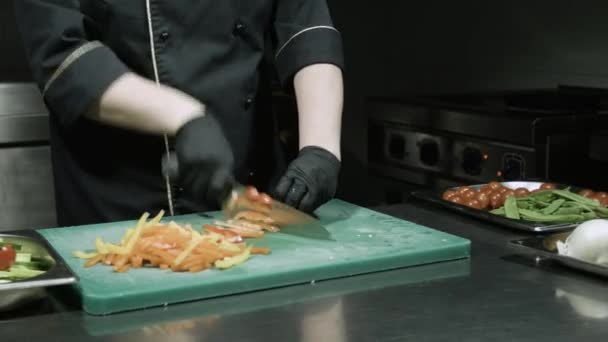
(494,296)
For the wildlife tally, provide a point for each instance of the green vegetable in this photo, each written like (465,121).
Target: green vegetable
(542,204)
(577,198)
(542,196)
(511,209)
(568,211)
(25,267)
(539,217)
(525,204)
(15,246)
(23,257)
(18,272)
(552,206)
(499,211)
(35,265)
(602,212)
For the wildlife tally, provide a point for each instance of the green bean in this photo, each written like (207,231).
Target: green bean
(511,210)
(538,202)
(550,209)
(524,204)
(577,198)
(537,217)
(568,210)
(590,215)
(582,207)
(602,214)
(602,211)
(499,211)
(552,206)
(543,196)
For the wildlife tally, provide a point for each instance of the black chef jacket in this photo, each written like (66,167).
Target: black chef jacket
(210,49)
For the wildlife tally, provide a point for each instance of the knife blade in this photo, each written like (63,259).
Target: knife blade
(236,201)
(282,214)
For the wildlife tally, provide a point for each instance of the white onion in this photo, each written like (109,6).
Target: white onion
(588,242)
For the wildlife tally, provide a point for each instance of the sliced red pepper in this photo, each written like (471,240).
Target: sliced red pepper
(229,234)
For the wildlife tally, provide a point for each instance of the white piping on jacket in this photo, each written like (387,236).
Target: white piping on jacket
(157,79)
(69,60)
(303,31)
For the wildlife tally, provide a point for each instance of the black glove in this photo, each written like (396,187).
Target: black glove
(310,181)
(205,160)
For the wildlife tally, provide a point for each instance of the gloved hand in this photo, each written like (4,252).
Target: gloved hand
(205,160)
(310,181)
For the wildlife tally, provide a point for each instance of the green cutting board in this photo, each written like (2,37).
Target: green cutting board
(359,241)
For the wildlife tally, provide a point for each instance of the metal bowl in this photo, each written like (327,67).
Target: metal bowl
(15,294)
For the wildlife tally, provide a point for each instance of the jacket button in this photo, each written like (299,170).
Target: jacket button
(248,103)
(239,28)
(164,36)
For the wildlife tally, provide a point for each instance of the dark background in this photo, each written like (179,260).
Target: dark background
(13,67)
(399,48)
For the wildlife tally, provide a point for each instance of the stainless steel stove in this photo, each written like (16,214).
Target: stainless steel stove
(446,141)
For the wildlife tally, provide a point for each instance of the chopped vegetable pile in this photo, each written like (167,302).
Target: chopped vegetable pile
(16,265)
(490,196)
(553,206)
(545,204)
(171,246)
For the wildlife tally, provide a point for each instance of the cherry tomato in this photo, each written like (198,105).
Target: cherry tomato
(473,203)
(464,189)
(469,194)
(586,193)
(487,191)
(548,186)
(508,193)
(7,257)
(483,199)
(449,194)
(490,194)
(495,185)
(457,200)
(601,194)
(521,192)
(486,188)
(497,200)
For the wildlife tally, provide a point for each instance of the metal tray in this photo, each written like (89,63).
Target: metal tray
(545,246)
(16,293)
(435,196)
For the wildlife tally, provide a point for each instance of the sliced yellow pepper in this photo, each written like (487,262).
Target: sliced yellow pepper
(234,260)
(84,255)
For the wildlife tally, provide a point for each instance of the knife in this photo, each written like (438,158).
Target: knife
(235,201)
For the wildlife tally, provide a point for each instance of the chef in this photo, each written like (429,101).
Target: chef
(127,82)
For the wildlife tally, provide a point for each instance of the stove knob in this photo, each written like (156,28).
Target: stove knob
(472,159)
(429,152)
